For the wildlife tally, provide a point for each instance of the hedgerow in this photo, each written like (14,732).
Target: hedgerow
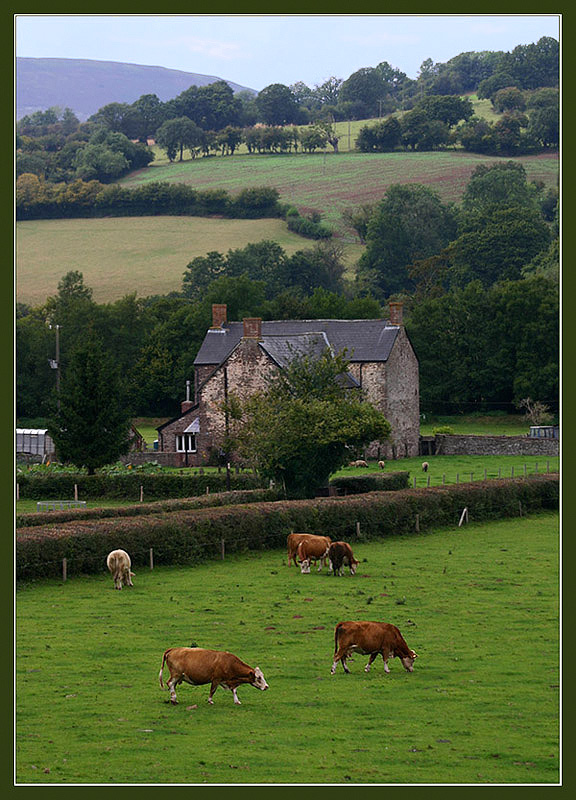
(141,509)
(379,482)
(60,486)
(192,536)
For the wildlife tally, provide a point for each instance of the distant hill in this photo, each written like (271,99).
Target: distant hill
(85,86)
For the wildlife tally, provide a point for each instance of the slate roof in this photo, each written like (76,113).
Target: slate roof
(364,339)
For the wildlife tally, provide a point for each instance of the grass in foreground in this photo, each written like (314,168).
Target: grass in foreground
(478,604)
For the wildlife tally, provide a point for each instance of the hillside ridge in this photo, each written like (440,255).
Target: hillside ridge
(85,85)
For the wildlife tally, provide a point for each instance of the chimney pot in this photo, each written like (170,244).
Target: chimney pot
(219,311)
(396,313)
(252,327)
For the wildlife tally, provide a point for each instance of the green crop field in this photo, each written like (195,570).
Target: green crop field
(329,182)
(479,604)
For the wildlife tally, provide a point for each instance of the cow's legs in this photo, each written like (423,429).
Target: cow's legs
(236,700)
(213,687)
(385,657)
(370,660)
(172,684)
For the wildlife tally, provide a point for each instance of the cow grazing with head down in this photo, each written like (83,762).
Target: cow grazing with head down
(118,562)
(382,464)
(340,555)
(425,466)
(359,463)
(313,549)
(198,666)
(293,541)
(371,639)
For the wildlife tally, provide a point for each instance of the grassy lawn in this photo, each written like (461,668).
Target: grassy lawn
(477,424)
(479,604)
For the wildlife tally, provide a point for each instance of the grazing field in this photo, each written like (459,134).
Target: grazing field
(121,255)
(479,604)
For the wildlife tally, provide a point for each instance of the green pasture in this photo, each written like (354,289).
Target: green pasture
(122,255)
(479,604)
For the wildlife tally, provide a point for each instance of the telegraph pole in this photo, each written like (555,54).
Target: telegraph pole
(55,364)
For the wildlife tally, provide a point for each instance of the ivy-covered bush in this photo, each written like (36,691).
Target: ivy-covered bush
(192,536)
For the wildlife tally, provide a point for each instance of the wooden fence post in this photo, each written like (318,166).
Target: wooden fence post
(484,473)
(457,477)
(512,473)
(151,558)
(358,530)
(471,477)
(499,472)
(525,471)
(141,493)
(443,480)
(64,569)
(547,466)
(536,468)
(428,481)
(17,491)
(414,482)
(75,491)
(207,490)
(464,517)
(222,548)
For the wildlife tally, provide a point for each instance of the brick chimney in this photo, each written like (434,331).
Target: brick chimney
(252,327)
(218,315)
(396,313)
(187,404)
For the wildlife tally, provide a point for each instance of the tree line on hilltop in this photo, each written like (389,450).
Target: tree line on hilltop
(479,282)
(423,114)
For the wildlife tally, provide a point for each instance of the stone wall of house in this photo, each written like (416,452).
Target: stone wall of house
(449,445)
(393,388)
(244,373)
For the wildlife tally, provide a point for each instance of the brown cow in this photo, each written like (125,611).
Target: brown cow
(371,638)
(294,539)
(118,562)
(313,548)
(198,666)
(339,555)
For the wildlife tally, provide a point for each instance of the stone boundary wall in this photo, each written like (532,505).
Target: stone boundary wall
(470,445)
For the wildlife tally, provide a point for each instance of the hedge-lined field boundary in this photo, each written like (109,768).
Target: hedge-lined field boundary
(60,486)
(157,507)
(192,536)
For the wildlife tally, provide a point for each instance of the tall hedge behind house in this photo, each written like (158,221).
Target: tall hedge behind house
(192,536)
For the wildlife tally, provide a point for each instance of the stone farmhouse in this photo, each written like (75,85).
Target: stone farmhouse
(238,357)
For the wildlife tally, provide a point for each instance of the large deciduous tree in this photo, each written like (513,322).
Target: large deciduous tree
(298,432)
(409,224)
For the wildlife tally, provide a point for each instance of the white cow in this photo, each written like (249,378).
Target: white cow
(118,562)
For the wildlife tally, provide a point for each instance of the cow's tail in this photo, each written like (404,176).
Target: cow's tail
(162,668)
(336,632)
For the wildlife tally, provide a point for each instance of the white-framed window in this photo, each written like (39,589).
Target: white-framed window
(186,443)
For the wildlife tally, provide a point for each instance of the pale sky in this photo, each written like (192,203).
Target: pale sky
(257,50)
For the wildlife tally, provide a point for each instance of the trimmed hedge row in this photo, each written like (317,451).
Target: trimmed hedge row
(190,537)
(372,482)
(158,507)
(60,486)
